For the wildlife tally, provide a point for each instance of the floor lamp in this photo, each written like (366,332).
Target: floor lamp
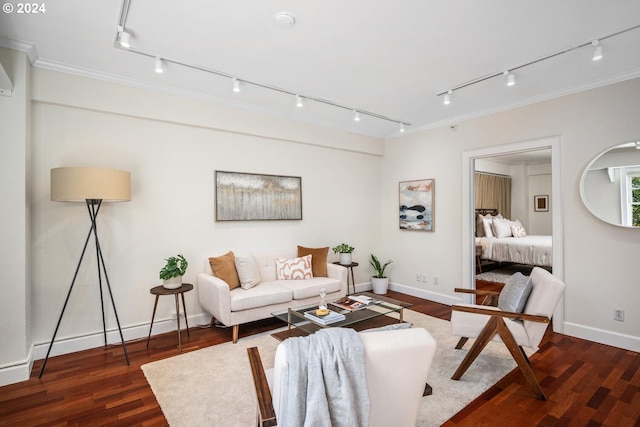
(91,186)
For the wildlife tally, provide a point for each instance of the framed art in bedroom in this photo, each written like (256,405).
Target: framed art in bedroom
(257,197)
(417,204)
(541,203)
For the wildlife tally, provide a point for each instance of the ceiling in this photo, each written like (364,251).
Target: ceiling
(389,58)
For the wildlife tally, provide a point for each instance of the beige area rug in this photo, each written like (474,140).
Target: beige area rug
(214,387)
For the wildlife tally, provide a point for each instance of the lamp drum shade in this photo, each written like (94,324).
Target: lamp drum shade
(71,184)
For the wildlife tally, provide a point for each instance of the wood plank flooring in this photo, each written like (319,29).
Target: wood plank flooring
(588,384)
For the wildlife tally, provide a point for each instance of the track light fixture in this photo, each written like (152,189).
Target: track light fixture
(401,127)
(299,103)
(159,68)
(124,37)
(356,116)
(447,98)
(236,85)
(511,78)
(597,51)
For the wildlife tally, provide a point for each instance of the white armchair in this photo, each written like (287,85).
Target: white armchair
(516,330)
(397,364)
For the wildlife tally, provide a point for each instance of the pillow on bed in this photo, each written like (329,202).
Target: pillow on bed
(480,226)
(486,224)
(513,297)
(501,228)
(518,231)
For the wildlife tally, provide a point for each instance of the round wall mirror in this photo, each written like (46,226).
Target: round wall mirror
(610,185)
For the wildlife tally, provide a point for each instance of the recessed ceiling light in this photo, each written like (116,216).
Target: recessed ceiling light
(284,19)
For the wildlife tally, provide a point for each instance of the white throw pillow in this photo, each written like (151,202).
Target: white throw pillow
(518,231)
(294,268)
(501,228)
(247,272)
(486,223)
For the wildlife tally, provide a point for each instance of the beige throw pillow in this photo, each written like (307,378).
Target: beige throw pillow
(248,273)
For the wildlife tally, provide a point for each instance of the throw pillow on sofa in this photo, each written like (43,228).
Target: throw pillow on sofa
(318,259)
(224,267)
(294,268)
(247,270)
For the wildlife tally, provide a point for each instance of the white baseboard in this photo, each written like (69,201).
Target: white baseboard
(424,294)
(21,371)
(614,339)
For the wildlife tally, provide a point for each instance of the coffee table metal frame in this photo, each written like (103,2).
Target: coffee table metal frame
(387,306)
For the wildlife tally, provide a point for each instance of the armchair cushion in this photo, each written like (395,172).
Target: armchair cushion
(515,293)
(224,267)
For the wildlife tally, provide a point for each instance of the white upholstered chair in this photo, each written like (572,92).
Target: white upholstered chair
(516,330)
(397,364)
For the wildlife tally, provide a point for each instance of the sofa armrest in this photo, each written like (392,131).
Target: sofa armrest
(215,297)
(338,272)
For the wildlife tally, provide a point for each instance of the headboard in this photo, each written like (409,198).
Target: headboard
(484,211)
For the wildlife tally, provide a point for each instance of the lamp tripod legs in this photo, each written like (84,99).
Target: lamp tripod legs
(93,206)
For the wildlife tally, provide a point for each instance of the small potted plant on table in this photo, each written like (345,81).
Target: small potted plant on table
(345,253)
(379,282)
(172,272)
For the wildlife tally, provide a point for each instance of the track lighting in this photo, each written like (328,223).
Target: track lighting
(236,85)
(125,38)
(597,50)
(356,116)
(401,127)
(511,78)
(447,98)
(159,68)
(299,103)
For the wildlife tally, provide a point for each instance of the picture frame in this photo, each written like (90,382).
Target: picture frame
(417,204)
(241,196)
(541,203)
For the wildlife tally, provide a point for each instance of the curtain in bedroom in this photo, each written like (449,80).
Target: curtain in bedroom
(493,192)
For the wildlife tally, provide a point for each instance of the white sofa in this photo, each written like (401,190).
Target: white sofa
(397,368)
(233,307)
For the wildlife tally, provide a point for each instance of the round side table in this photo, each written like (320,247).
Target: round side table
(161,290)
(350,268)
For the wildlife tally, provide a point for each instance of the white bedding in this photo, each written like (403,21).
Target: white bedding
(532,250)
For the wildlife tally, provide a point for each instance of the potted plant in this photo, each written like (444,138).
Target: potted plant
(379,281)
(345,253)
(172,272)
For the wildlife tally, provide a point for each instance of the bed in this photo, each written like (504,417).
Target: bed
(503,240)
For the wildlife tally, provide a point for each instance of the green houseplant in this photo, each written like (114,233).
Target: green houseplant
(345,253)
(172,272)
(379,281)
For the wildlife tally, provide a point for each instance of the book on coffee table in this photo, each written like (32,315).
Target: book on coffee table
(354,302)
(327,319)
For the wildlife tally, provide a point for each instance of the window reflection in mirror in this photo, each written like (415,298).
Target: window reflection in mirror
(610,185)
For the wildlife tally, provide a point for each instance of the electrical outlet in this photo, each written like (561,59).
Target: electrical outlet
(435,280)
(618,314)
(417,277)
(424,278)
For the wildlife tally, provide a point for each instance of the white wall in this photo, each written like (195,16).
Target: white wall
(15,260)
(172,146)
(600,260)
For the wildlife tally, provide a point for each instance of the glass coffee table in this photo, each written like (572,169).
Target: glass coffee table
(385,312)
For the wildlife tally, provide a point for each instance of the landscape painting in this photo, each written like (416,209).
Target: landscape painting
(255,197)
(417,205)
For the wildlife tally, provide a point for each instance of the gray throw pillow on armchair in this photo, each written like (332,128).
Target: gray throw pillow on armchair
(515,293)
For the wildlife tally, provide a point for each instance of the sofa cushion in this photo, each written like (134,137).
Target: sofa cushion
(247,272)
(224,267)
(302,289)
(318,259)
(294,268)
(261,295)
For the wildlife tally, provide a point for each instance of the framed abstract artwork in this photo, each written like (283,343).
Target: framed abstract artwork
(257,197)
(417,204)
(541,203)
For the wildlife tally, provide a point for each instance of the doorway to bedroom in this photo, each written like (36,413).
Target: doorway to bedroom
(528,203)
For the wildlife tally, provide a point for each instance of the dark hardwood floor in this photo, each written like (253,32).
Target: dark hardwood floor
(587,384)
